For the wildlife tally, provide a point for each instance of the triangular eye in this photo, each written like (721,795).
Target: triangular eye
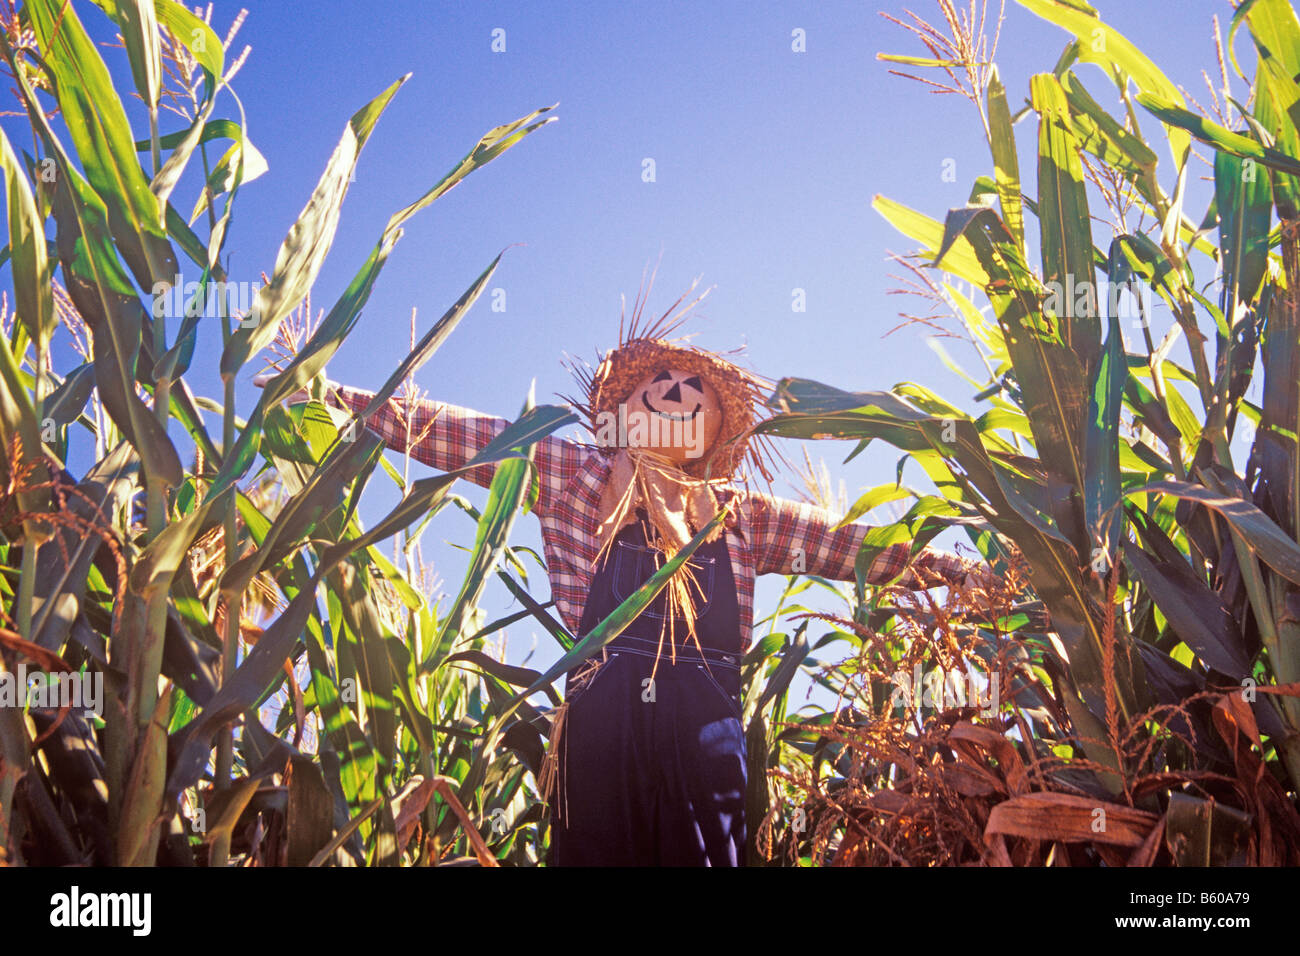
(694,382)
(664,376)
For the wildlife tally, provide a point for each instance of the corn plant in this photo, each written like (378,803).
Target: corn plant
(175,766)
(1164,693)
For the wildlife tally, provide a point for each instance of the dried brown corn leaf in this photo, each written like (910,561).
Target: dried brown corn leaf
(1070,819)
(990,741)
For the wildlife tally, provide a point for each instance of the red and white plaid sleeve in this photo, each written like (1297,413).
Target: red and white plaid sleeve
(793,537)
(447,436)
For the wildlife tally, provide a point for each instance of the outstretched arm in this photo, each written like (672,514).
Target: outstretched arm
(436,433)
(791,537)
(447,436)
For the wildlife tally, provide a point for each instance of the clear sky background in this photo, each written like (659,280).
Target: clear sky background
(766,163)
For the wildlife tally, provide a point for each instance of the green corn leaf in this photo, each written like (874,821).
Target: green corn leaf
(1215,135)
(506,496)
(222,179)
(32,269)
(1276,32)
(1148,261)
(118,322)
(210,130)
(97,125)
(1193,610)
(139,25)
(960,259)
(156,567)
(343,316)
(493,143)
(66,403)
(881,494)
(195,35)
(249,685)
(1102,135)
(191,32)
(358,767)
(1101,490)
(321,495)
(913,60)
(1244,201)
(538,611)
(170,174)
(363,641)
(303,251)
(102,293)
(1065,227)
(1006,166)
(18,420)
(809,409)
(1049,372)
(1275,111)
(1110,49)
(786,668)
(1260,532)
(517,676)
(260,668)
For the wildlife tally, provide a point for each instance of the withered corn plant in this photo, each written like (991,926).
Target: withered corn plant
(1153,714)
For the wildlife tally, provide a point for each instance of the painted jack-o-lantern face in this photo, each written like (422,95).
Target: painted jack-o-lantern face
(682,413)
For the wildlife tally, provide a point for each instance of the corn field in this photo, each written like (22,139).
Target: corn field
(271,689)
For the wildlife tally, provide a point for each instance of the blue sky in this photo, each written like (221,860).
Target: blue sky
(766,162)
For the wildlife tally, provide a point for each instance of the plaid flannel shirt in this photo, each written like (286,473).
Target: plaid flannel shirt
(768,535)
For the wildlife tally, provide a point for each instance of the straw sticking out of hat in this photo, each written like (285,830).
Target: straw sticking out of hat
(646,348)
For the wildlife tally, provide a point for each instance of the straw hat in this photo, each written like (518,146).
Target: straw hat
(642,351)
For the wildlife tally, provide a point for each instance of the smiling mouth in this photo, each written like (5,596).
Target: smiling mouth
(671,416)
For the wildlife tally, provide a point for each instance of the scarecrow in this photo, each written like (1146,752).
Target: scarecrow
(646,762)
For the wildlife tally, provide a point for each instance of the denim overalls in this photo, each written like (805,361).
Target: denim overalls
(653,774)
